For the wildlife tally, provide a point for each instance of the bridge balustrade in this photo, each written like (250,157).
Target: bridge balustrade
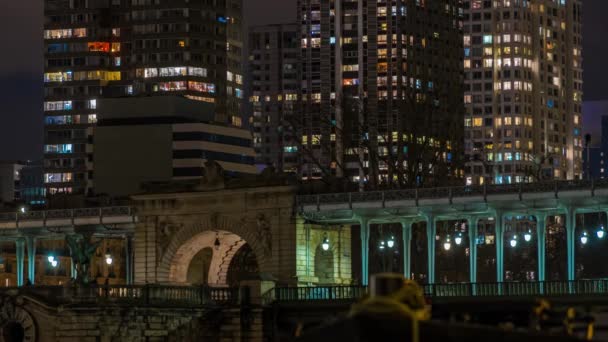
(151,295)
(450,192)
(504,289)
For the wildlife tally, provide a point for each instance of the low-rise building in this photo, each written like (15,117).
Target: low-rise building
(159,139)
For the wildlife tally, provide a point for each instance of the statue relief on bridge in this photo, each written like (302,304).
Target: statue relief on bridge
(164,232)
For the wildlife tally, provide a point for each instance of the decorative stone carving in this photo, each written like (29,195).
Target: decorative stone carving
(213,177)
(12,313)
(264,235)
(164,233)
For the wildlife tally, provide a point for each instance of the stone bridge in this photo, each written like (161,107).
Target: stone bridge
(128,313)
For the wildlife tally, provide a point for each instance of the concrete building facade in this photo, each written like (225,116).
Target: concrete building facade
(154,139)
(523,71)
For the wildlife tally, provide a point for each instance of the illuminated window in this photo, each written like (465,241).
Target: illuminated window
(203,87)
(57,177)
(58,76)
(487,39)
(98,46)
(57,105)
(61,148)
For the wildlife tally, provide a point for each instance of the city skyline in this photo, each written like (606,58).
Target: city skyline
(21,87)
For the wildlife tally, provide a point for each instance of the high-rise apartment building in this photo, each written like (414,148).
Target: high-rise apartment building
(108,48)
(380,91)
(273,71)
(523,93)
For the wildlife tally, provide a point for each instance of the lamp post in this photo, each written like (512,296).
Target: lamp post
(387,247)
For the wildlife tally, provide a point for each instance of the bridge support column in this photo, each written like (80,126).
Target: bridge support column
(406,228)
(541,220)
(500,248)
(20,254)
(431,232)
(472,226)
(570,241)
(129,259)
(365,229)
(31,259)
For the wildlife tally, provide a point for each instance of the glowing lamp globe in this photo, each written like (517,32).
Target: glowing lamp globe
(391,242)
(54,263)
(50,258)
(513,242)
(601,233)
(458,240)
(528,237)
(447,246)
(325,244)
(584,239)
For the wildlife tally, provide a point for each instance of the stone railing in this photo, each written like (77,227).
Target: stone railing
(416,194)
(140,295)
(66,214)
(509,289)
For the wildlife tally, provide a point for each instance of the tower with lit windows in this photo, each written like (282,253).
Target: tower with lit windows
(113,48)
(274,57)
(380,91)
(523,90)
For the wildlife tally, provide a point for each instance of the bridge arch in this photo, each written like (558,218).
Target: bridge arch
(188,241)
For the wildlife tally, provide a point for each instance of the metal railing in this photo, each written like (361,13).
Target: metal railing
(317,293)
(450,192)
(67,214)
(508,289)
(143,295)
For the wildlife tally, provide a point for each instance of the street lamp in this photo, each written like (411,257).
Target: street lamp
(54,263)
(50,258)
(381,245)
(584,238)
(391,242)
(600,232)
(22,209)
(513,241)
(447,244)
(325,243)
(458,239)
(528,236)
(109,259)
(216,243)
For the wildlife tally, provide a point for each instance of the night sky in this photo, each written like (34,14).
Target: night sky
(21,65)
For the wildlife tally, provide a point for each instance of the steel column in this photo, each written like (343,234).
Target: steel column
(31,259)
(570,240)
(431,232)
(20,254)
(365,229)
(472,227)
(499,231)
(406,229)
(541,220)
